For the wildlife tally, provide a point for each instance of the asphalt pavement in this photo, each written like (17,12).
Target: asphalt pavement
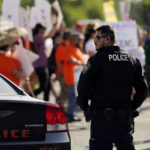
(80,131)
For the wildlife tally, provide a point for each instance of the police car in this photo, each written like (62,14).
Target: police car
(27,123)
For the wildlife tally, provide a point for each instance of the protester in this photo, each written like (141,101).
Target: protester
(40,64)
(52,66)
(79,30)
(60,59)
(73,57)
(13,70)
(107,80)
(57,39)
(89,46)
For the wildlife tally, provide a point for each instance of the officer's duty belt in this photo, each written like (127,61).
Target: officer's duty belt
(110,113)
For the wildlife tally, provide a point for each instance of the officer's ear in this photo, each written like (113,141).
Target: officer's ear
(108,38)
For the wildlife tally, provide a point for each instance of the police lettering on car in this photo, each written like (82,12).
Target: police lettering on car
(107,80)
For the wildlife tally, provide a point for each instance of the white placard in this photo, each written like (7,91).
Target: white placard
(41,2)
(21,55)
(41,13)
(31,55)
(125,9)
(24,21)
(33,17)
(11,13)
(126,34)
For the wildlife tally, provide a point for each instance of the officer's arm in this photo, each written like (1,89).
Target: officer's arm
(86,84)
(140,86)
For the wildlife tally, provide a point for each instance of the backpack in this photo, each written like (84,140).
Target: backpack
(52,62)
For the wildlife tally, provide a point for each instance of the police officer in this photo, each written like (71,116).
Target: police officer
(107,81)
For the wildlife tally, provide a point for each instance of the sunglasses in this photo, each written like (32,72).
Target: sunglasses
(99,37)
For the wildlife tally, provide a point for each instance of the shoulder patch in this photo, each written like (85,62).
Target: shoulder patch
(86,67)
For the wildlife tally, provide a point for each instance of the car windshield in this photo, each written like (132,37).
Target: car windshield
(8,88)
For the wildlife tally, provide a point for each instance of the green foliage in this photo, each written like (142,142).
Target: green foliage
(25,3)
(142,16)
(94,9)
(116,2)
(72,15)
(51,1)
(147,2)
(1,6)
(75,10)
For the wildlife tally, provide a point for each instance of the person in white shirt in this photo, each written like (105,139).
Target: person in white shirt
(89,46)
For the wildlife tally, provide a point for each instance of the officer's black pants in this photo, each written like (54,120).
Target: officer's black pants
(105,133)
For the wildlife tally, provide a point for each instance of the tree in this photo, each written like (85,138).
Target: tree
(75,10)
(1,6)
(142,16)
(25,3)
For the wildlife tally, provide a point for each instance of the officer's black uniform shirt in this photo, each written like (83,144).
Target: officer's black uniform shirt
(108,78)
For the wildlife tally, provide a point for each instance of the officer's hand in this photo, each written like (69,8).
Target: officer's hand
(135,114)
(81,104)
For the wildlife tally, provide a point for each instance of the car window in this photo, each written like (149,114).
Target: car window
(6,89)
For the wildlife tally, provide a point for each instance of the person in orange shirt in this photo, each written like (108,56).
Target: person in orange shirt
(10,67)
(60,59)
(73,57)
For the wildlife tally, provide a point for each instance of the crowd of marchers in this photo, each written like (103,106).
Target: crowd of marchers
(70,48)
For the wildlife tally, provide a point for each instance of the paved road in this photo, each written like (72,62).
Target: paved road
(80,131)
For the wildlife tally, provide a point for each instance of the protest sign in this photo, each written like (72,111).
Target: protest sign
(41,13)
(24,21)
(11,13)
(33,17)
(21,55)
(125,7)
(31,55)
(126,33)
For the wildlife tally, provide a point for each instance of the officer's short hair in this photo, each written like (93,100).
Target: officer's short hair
(108,31)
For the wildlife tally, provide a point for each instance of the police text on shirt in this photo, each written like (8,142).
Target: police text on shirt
(118,57)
